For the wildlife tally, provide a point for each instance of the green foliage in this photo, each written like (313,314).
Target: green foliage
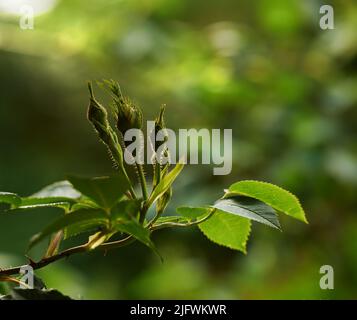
(192,212)
(104,191)
(107,206)
(171,219)
(54,202)
(228,230)
(165,183)
(125,209)
(80,219)
(10,198)
(249,208)
(60,189)
(132,227)
(272,195)
(58,195)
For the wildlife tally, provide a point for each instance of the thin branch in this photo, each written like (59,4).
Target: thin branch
(14,280)
(142,181)
(178,224)
(64,254)
(105,246)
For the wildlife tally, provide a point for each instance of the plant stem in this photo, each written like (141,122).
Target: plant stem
(131,188)
(64,254)
(144,191)
(13,280)
(142,181)
(105,246)
(177,224)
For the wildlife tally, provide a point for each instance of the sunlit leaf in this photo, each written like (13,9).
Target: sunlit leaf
(167,219)
(165,183)
(227,229)
(274,196)
(62,189)
(58,195)
(10,198)
(97,239)
(192,213)
(84,203)
(52,202)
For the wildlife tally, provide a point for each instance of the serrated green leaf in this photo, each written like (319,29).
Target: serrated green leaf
(249,208)
(192,213)
(76,229)
(80,218)
(165,183)
(125,209)
(49,202)
(132,227)
(57,195)
(62,189)
(276,197)
(105,191)
(228,230)
(84,203)
(10,198)
(175,219)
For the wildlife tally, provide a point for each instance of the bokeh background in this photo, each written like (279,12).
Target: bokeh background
(263,68)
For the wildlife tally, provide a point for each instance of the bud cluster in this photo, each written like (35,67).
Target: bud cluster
(127,116)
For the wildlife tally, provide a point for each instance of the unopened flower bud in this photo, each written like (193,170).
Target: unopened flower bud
(129,116)
(159,125)
(98,116)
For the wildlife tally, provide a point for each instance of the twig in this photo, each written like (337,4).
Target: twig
(178,224)
(13,280)
(64,254)
(142,181)
(105,246)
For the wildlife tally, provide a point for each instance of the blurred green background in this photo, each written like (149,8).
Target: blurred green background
(263,68)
